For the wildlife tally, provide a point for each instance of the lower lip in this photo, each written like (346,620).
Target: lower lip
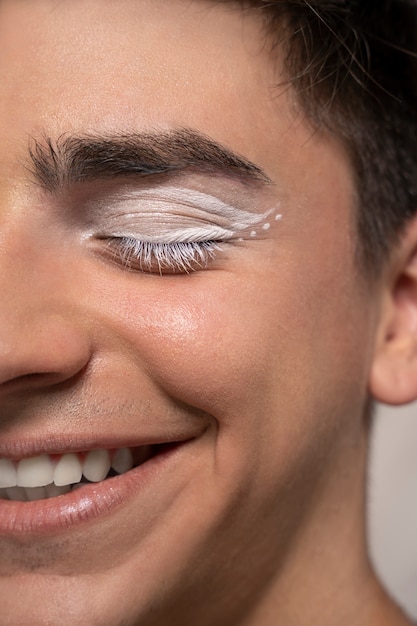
(58,514)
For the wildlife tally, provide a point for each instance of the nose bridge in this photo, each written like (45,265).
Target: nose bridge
(25,278)
(40,333)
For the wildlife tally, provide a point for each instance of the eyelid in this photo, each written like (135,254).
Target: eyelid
(170,235)
(161,205)
(186,198)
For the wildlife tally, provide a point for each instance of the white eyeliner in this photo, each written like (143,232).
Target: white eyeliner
(166,234)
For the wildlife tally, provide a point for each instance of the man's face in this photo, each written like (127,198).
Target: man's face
(157,292)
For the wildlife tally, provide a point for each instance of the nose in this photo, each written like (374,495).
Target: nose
(40,350)
(43,340)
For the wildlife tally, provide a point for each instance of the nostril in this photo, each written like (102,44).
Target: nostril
(36,380)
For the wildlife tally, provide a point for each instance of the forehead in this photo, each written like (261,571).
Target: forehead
(138,65)
(131,61)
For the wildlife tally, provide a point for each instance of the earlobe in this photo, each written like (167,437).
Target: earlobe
(393,376)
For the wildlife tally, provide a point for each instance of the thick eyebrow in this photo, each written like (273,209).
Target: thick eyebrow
(73,159)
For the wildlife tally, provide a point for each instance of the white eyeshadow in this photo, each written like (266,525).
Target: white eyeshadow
(178,214)
(238,219)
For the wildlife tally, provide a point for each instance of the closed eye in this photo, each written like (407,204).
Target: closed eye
(181,257)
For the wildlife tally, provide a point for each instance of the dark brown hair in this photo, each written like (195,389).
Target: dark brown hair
(353,66)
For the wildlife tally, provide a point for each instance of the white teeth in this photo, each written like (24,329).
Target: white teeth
(44,477)
(7,473)
(35,472)
(96,465)
(68,470)
(122,460)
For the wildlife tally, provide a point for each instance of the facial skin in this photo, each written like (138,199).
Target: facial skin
(262,356)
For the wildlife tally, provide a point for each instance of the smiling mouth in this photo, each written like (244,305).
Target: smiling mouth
(47,476)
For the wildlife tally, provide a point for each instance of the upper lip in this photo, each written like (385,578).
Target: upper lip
(76,442)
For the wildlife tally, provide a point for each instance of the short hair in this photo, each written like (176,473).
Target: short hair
(353,66)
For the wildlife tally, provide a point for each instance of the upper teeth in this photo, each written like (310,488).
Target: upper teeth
(43,470)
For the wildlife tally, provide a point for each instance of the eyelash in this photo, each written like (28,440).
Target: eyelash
(163,258)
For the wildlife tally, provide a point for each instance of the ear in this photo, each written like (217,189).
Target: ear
(393,377)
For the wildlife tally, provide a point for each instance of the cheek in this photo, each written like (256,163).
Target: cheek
(203,342)
(271,342)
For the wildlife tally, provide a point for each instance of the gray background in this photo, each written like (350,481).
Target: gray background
(392,493)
